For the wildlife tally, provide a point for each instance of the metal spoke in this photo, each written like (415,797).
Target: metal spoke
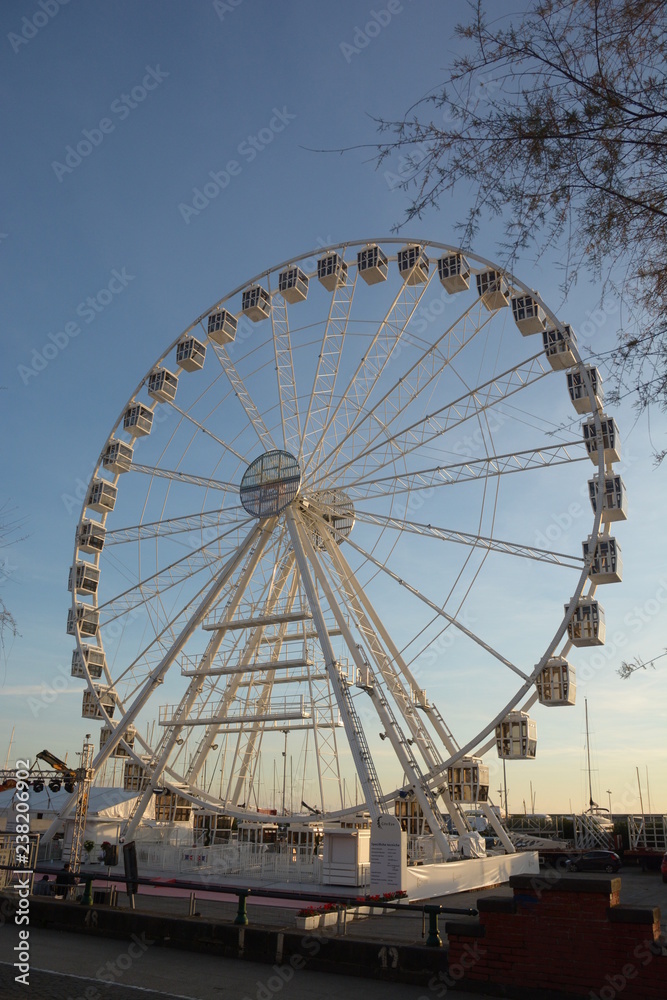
(477,468)
(476,541)
(289,404)
(434,425)
(172,526)
(185,477)
(244,397)
(371,367)
(328,364)
(434,607)
(405,391)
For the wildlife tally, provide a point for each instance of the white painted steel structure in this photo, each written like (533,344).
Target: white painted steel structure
(399,442)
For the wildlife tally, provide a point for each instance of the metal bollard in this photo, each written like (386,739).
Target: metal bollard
(242,915)
(193,905)
(433,940)
(87,898)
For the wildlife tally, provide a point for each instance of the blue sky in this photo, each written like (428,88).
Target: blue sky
(109,252)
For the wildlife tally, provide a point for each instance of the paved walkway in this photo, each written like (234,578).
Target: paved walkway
(161,972)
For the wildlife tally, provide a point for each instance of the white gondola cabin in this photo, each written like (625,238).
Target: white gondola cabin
(118,456)
(190,354)
(606,563)
(558,347)
(413,264)
(138,420)
(578,390)
(162,385)
(587,626)
(222,327)
(611,442)
(454,272)
(332,271)
(372,264)
(90,536)
(135,777)
(293,284)
(101,496)
(556,683)
(516,737)
(468,780)
(528,315)
(492,290)
(613,496)
(88,656)
(210,828)
(90,709)
(87,619)
(172,808)
(255,303)
(84,577)
(119,750)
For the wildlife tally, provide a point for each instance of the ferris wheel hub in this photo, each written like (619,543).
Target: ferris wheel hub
(270,483)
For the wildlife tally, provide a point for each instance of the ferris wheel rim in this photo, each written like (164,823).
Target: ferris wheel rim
(517,284)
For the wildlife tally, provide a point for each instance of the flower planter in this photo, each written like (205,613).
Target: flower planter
(308,923)
(329,918)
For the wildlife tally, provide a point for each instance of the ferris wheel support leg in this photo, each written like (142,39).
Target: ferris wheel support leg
(356,739)
(233,685)
(156,677)
(400,744)
(362,607)
(264,530)
(501,832)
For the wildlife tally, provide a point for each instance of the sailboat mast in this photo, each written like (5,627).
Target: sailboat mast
(588,754)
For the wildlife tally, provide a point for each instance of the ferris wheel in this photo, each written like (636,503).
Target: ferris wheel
(311,572)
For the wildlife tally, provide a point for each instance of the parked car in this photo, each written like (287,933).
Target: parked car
(594,861)
(663,868)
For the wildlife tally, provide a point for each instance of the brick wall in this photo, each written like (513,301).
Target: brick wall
(566,935)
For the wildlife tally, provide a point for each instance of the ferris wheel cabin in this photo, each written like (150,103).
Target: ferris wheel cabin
(578,390)
(611,441)
(516,737)
(614,499)
(83,617)
(372,264)
(162,385)
(586,627)
(119,750)
(556,683)
(528,315)
(98,701)
(293,285)
(90,536)
(255,303)
(91,657)
(468,780)
(492,290)
(222,327)
(332,271)
(190,354)
(604,554)
(413,264)
(454,273)
(138,420)
(558,346)
(118,456)
(85,578)
(101,496)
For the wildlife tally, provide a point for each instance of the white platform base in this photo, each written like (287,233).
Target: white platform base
(427,881)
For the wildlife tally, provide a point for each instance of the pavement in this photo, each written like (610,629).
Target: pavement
(66,966)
